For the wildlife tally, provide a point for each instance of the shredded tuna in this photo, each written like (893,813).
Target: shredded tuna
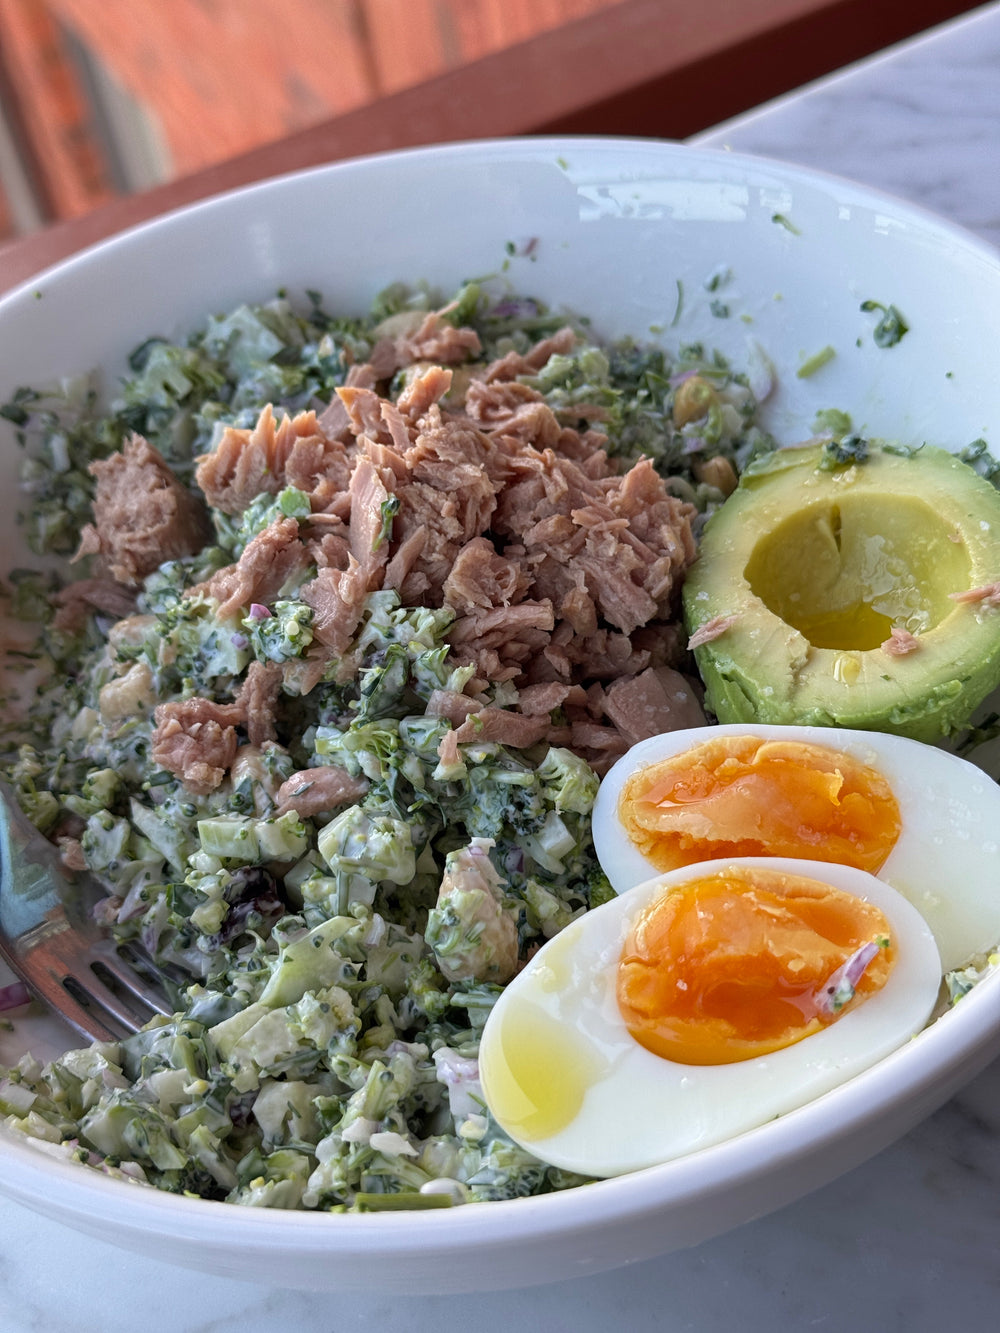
(513,364)
(364,413)
(142,514)
(481,578)
(75,603)
(314,790)
(273,558)
(437,340)
(500,640)
(337,593)
(423,391)
(451,705)
(900,642)
(540,700)
(988,594)
(515,409)
(503,726)
(469,492)
(400,566)
(651,703)
(195,739)
(368,538)
(257,700)
(712,629)
(337,598)
(362,375)
(599,745)
(450,494)
(448,751)
(288,451)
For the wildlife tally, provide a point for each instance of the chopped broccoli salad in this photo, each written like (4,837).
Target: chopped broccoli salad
(333,758)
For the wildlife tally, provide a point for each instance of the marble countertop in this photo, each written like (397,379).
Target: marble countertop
(909,1241)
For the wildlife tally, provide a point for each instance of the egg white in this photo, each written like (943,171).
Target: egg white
(639,1109)
(946,860)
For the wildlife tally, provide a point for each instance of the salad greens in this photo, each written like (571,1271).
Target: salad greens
(332,973)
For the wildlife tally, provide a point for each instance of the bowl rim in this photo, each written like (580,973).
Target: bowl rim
(511,149)
(908,1074)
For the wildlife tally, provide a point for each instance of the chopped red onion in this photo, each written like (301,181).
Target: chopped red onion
(258,612)
(839,987)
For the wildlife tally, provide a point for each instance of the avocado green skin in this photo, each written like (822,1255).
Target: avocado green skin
(761,669)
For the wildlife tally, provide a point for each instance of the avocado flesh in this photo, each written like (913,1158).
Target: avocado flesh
(817,565)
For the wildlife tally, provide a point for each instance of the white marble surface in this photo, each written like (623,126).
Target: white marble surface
(920,121)
(908,1242)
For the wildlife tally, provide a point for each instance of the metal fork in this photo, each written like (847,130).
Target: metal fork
(49,938)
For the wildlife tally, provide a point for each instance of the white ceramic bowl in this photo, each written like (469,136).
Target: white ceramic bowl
(627,232)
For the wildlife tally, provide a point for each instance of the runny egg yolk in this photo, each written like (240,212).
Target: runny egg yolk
(748,796)
(743,962)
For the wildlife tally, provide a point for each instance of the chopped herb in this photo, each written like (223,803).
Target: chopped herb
(139,356)
(389,508)
(815,362)
(17,409)
(844,453)
(978,456)
(782,221)
(831,420)
(719,309)
(890,327)
(718,278)
(680,304)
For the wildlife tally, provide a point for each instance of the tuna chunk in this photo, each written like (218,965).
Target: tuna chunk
(539,700)
(481,578)
(513,364)
(195,739)
(368,535)
(77,601)
(622,542)
(257,700)
(273,558)
(514,409)
(503,726)
(452,705)
(293,451)
(499,641)
(142,514)
(337,597)
(423,391)
(437,340)
(314,790)
(655,701)
(450,495)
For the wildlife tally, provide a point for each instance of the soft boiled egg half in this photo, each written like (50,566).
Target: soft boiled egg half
(923,820)
(653,1026)
(789,899)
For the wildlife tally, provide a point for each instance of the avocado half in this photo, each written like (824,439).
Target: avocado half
(812,563)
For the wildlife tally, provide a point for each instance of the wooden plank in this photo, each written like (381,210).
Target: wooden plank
(222,79)
(65,156)
(407,41)
(625,61)
(484,26)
